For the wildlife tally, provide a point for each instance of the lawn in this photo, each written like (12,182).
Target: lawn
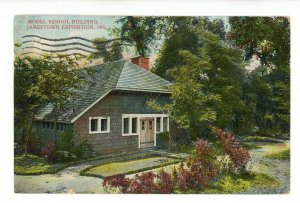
(262,139)
(129,167)
(240,183)
(34,165)
(283,155)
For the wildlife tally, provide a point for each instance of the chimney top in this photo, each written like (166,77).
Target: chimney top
(141,61)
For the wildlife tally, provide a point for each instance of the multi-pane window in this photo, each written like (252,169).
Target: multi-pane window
(162,124)
(130,125)
(99,125)
(50,126)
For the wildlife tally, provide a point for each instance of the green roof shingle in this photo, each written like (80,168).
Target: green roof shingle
(117,75)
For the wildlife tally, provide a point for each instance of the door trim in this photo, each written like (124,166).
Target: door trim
(139,116)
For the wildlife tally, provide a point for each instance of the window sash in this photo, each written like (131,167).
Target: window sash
(130,127)
(102,125)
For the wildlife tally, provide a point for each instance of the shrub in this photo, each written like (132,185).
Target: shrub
(69,142)
(196,174)
(64,156)
(231,146)
(49,152)
(84,151)
(199,172)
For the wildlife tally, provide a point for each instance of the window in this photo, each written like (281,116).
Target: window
(150,125)
(94,125)
(158,120)
(103,125)
(165,124)
(143,125)
(99,125)
(134,125)
(126,126)
(130,125)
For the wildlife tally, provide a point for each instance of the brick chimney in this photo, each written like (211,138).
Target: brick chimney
(141,61)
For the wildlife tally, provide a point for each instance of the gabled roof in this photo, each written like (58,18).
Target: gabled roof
(117,75)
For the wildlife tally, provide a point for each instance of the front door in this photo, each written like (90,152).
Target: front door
(147,132)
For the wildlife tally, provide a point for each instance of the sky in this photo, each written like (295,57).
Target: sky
(65,26)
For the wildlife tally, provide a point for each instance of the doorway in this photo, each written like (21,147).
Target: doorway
(146,132)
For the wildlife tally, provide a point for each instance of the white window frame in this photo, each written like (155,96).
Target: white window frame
(99,125)
(139,116)
(130,117)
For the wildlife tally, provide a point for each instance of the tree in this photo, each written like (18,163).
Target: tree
(108,50)
(26,74)
(43,80)
(181,33)
(206,88)
(269,39)
(138,31)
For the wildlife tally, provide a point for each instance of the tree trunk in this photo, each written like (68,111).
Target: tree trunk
(28,134)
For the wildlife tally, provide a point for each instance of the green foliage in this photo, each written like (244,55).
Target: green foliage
(70,148)
(180,148)
(64,156)
(239,183)
(268,87)
(108,50)
(180,33)
(39,81)
(138,31)
(207,87)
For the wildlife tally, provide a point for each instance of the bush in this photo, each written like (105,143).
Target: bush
(231,146)
(84,151)
(199,172)
(64,156)
(70,144)
(49,152)
(162,140)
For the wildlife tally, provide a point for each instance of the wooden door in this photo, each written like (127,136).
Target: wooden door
(146,132)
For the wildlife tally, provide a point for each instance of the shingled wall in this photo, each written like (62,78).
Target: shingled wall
(114,105)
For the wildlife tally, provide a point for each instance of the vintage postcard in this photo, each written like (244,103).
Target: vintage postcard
(151,104)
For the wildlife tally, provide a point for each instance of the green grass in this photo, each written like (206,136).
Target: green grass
(235,184)
(283,155)
(128,167)
(251,146)
(34,165)
(261,139)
